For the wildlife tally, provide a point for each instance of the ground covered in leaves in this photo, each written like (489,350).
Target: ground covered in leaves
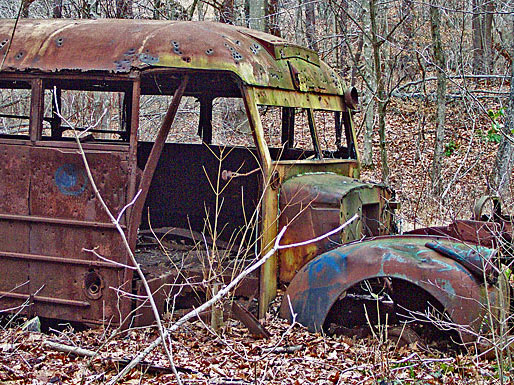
(290,356)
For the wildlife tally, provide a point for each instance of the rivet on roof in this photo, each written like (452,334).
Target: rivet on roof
(148,59)
(210,51)
(176,47)
(122,65)
(255,48)
(237,56)
(59,41)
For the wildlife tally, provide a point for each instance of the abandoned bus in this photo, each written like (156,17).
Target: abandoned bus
(204,139)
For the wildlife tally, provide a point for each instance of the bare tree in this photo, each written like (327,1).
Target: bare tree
(440,63)
(57,10)
(227,12)
(505,156)
(310,24)
(272,19)
(481,24)
(124,9)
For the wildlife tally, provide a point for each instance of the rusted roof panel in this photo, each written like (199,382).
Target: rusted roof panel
(120,46)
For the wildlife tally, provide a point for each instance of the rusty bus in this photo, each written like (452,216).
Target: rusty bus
(50,219)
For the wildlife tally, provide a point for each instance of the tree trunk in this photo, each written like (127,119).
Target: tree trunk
(476,26)
(124,9)
(368,102)
(487,29)
(505,156)
(440,62)
(25,8)
(272,19)
(310,24)
(57,11)
(341,30)
(256,12)
(381,92)
(227,12)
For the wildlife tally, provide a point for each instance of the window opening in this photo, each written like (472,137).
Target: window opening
(15,99)
(230,125)
(152,110)
(101,109)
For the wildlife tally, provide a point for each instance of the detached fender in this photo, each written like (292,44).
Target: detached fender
(318,285)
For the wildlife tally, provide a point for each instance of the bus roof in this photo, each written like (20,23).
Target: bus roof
(121,46)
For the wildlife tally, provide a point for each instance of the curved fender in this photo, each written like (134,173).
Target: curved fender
(317,286)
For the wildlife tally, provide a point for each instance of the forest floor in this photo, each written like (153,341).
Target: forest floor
(235,357)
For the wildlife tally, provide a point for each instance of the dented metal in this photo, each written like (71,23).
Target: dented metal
(122,46)
(319,284)
(312,204)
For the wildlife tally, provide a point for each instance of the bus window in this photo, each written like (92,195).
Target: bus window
(14,109)
(98,111)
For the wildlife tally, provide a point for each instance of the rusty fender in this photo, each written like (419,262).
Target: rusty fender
(318,285)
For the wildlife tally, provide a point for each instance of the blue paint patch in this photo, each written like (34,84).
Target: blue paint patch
(324,269)
(71,180)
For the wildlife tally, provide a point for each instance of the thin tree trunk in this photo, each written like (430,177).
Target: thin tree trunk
(505,156)
(272,19)
(227,12)
(57,11)
(487,29)
(25,8)
(310,24)
(440,61)
(369,91)
(124,9)
(381,93)
(341,29)
(476,26)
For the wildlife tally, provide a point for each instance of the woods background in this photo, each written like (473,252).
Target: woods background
(436,113)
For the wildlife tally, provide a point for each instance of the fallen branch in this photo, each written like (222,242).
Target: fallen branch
(283,349)
(222,293)
(122,362)
(69,349)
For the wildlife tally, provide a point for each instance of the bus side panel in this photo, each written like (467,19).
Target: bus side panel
(14,234)
(66,281)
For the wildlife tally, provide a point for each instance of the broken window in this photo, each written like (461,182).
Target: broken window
(230,125)
(15,108)
(152,110)
(98,110)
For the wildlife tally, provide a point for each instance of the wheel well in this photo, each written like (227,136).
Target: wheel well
(389,301)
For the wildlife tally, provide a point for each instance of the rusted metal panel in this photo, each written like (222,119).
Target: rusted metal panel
(60,190)
(125,45)
(75,293)
(487,234)
(320,283)
(15,179)
(60,187)
(313,204)
(48,214)
(14,236)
